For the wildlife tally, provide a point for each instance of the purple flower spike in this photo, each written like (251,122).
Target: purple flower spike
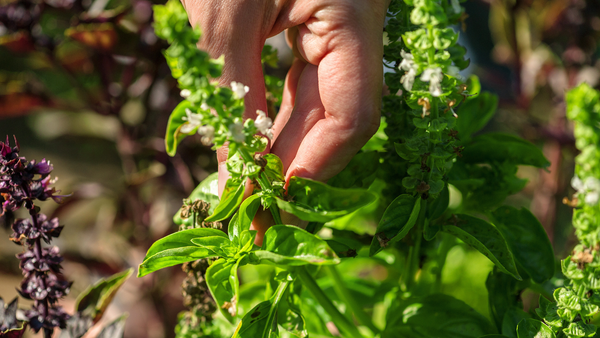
(21,184)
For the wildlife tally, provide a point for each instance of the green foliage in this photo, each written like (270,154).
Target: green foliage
(496,147)
(486,238)
(315,201)
(531,328)
(222,281)
(290,245)
(436,315)
(177,248)
(527,240)
(400,216)
(233,194)
(174,135)
(259,322)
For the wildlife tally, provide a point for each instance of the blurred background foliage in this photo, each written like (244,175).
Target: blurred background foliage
(83,83)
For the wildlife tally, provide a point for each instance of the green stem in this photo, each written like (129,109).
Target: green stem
(348,328)
(414,255)
(445,246)
(264,183)
(344,294)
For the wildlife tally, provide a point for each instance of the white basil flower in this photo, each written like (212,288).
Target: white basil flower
(208,134)
(239,90)
(204,106)
(408,65)
(590,187)
(236,131)
(434,76)
(185,93)
(408,79)
(193,121)
(264,123)
(408,61)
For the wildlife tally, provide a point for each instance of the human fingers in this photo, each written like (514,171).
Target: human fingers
(344,41)
(307,111)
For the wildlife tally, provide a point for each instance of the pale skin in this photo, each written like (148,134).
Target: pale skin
(332,95)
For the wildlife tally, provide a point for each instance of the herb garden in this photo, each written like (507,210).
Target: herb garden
(432,179)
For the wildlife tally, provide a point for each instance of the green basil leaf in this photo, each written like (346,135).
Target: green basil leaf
(230,200)
(217,278)
(436,315)
(245,215)
(475,113)
(259,322)
(497,147)
(484,237)
(580,329)
(359,173)
(531,328)
(511,319)
(174,135)
(439,205)
(527,240)
(317,202)
(399,217)
(246,240)
(504,293)
(290,245)
(216,244)
(95,299)
(569,303)
(177,248)
(289,316)
(341,249)
(274,168)
(494,336)
(207,191)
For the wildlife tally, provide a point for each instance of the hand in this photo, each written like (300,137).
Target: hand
(332,93)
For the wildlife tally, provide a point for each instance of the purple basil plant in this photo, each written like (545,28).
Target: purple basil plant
(23,183)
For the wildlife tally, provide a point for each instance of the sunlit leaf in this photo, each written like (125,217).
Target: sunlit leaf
(315,201)
(230,200)
(245,215)
(290,245)
(177,248)
(174,136)
(260,321)
(217,278)
(216,244)
(274,168)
